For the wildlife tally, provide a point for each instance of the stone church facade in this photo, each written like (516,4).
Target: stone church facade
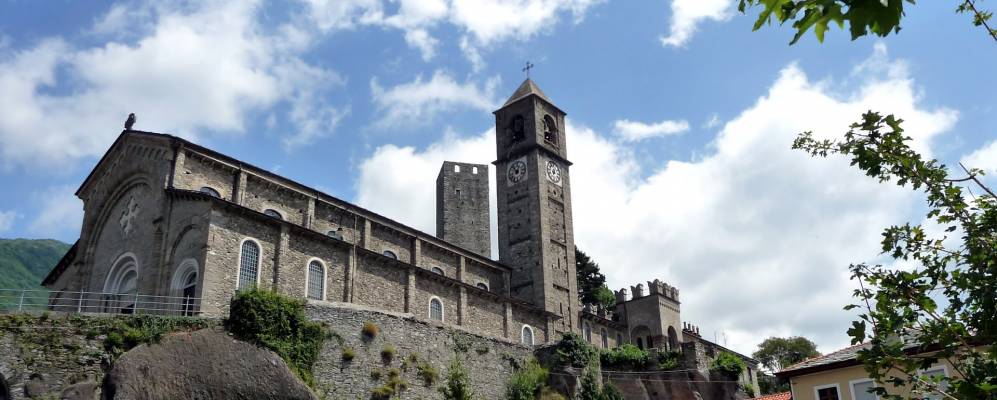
(166,217)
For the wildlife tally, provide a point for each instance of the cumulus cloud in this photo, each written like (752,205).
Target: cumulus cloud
(634,131)
(688,14)
(756,236)
(199,70)
(60,213)
(984,158)
(7,220)
(486,21)
(420,100)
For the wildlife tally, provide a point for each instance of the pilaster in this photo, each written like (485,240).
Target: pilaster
(280,256)
(409,289)
(310,213)
(239,191)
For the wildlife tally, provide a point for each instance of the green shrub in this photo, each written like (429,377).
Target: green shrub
(526,382)
(610,392)
(375,374)
(728,364)
(428,373)
(394,385)
(388,353)
(550,394)
(749,390)
(574,351)
(457,385)
(348,354)
(625,356)
(669,360)
(589,388)
(278,323)
(369,330)
(122,333)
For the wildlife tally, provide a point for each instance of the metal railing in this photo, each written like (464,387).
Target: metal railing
(35,300)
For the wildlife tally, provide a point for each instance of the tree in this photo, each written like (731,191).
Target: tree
(458,384)
(880,17)
(777,353)
(592,287)
(944,298)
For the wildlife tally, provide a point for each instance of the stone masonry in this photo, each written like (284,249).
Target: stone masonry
(462,213)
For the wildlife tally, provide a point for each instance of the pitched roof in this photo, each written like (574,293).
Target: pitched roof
(775,396)
(527,88)
(841,357)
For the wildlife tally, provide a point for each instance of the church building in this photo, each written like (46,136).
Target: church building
(173,227)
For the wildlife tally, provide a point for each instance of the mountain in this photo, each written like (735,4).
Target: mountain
(25,262)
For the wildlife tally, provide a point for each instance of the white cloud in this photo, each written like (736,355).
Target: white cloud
(713,122)
(756,236)
(60,213)
(420,100)
(687,14)
(7,220)
(634,131)
(487,21)
(984,158)
(200,70)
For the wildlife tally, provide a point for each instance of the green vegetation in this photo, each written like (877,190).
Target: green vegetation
(777,353)
(589,388)
(388,353)
(668,361)
(393,386)
(24,263)
(592,287)
(457,385)
(348,354)
(610,392)
(369,330)
(625,356)
(728,364)
(526,382)
(428,373)
(278,323)
(122,333)
(573,350)
(863,17)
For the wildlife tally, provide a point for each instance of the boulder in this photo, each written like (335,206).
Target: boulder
(206,364)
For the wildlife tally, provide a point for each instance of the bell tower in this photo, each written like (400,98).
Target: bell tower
(534,205)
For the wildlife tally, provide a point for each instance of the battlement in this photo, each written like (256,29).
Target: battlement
(690,329)
(656,287)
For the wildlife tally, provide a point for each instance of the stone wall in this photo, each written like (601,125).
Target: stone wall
(487,360)
(462,213)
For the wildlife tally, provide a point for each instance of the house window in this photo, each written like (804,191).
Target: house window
(605,339)
(827,392)
(527,335)
(316,280)
(435,309)
(249,265)
(273,213)
(439,270)
(390,254)
(211,192)
(482,286)
(587,332)
(860,389)
(943,386)
(336,234)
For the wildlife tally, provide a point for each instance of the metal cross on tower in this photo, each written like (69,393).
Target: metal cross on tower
(527,69)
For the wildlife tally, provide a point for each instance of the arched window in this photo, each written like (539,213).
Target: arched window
(249,265)
(435,309)
(273,213)
(587,331)
(121,285)
(184,287)
(527,335)
(550,130)
(337,234)
(605,339)
(316,280)
(211,192)
(482,286)
(439,270)
(390,254)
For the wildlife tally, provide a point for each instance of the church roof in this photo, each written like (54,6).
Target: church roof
(528,87)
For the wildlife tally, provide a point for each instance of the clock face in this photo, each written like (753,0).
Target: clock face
(553,172)
(516,171)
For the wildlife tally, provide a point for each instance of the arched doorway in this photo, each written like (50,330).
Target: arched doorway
(184,287)
(121,286)
(641,335)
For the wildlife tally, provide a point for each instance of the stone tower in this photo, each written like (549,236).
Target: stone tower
(462,213)
(534,205)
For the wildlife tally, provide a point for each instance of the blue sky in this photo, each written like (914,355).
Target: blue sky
(680,120)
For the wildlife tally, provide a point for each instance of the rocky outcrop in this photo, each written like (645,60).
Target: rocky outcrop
(206,364)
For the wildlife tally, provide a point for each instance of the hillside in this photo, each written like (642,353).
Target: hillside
(25,262)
